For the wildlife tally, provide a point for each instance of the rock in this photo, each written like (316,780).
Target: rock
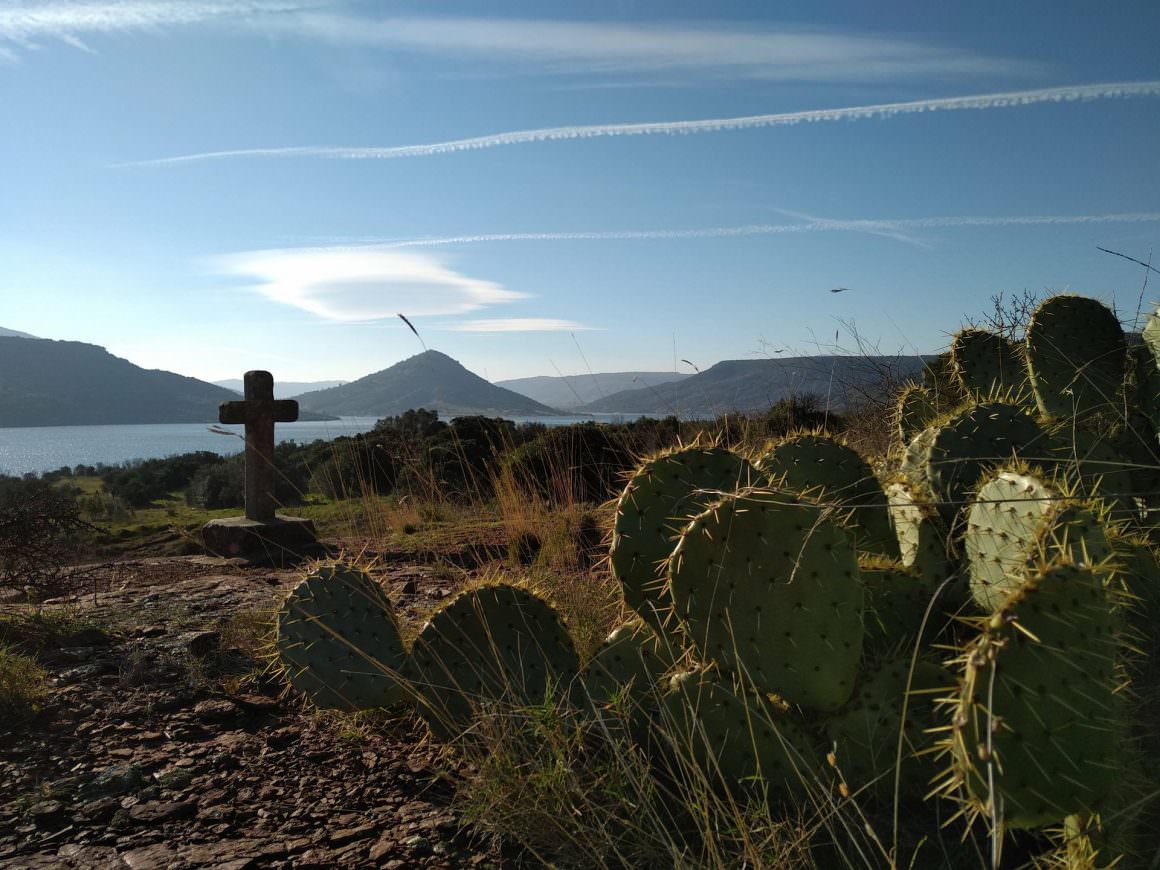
(350,835)
(417,845)
(216,710)
(116,780)
(384,847)
(153,857)
(46,814)
(410,587)
(86,637)
(155,812)
(203,643)
(256,703)
(174,779)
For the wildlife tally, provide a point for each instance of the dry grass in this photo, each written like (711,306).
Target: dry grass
(22,684)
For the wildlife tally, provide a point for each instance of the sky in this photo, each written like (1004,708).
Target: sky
(543,188)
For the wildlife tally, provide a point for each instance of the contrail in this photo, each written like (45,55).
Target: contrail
(1071,93)
(821,225)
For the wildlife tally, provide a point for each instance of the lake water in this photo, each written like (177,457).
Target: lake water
(47,448)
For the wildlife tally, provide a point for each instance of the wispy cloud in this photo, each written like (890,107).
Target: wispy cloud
(882,111)
(740,50)
(518,324)
(24,23)
(895,228)
(352,284)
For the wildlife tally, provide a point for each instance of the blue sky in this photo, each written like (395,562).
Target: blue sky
(317,194)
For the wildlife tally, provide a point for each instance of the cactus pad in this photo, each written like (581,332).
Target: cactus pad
(1038,722)
(967,443)
(658,501)
(922,539)
(916,410)
(766,584)
(1075,356)
(865,733)
(828,470)
(1003,524)
(628,665)
(734,739)
(986,364)
(896,602)
(338,641)
(493,645)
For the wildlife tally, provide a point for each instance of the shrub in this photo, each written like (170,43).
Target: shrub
(40,529)
(22,684)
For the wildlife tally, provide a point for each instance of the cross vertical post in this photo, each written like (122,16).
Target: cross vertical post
(259,411)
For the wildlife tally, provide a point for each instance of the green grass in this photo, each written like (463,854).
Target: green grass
(33,630)
(22,684)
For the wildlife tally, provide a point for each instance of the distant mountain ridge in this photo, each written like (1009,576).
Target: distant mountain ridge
(70,383)
(14,333)
(430,380)
(575,391)
(754,385)
(283,389)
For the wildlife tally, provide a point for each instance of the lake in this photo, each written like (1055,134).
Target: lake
(47,448)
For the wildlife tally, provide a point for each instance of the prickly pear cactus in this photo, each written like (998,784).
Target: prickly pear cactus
(338,642)
(495,645)
(735,740)
(826,469)
(1075,357)
(865,733)
(896,603)
(922,536)
(627,666)
(1092,462)
(1147,370)
(766,584)
(1003,523)
(1038,722)
(987,364)
(1017,519)
(981,435)
(916,410)
(658,501)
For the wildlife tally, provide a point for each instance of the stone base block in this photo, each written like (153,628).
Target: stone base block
(283,540)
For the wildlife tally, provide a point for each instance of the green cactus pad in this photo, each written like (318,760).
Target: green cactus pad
(916,410)
(626,666)
(896,603)
(827,470)
(1146,369)
(662,496)
(496,645)
(734,740)
(1094,463)
(980,435)
(865,733)
(1004,522)
(1075,357)
(922,537)
(766,584)
(1038,723)
(987,364)
(338,641)
(1017,520)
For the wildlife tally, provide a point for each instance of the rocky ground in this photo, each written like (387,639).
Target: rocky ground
(162,745)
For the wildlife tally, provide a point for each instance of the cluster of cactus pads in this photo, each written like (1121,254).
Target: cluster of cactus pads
(970,619)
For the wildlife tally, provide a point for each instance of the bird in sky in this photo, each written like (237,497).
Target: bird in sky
(839,289)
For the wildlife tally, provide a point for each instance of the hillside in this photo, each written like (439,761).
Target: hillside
(283,389)
(751,385)
(69,383)
(574,391)
(14,333)
(428,380)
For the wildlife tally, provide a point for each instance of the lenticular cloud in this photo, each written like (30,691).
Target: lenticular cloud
(1007,99)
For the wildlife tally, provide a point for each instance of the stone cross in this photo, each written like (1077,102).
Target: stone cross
(259,411)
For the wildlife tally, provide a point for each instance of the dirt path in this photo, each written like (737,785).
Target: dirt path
(152,752)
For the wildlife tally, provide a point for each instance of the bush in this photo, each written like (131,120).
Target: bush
(22,684)
(572,464)
(40,529)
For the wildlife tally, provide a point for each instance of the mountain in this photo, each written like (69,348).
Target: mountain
(575,391)
(69,383)
(14,333)
(428,380)
(753,385)
(283,389)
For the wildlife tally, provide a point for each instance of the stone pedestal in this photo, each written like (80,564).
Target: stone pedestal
(284,539)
